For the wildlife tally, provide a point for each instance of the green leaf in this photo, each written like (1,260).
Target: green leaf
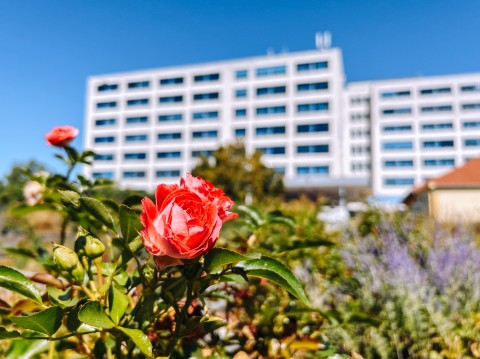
(118,304)
(140,339)
(26,349)
(130,223)
(98,210)
(219,257)
(20,251)
(278,218)
(47,321)
(72,318)
(94,314)
(5,334)
(306,243)
(252,214)
(15,281)
(61,298)
(278,273)
(70,198)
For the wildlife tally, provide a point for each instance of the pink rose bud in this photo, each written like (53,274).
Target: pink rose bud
(61,136)
(185,221)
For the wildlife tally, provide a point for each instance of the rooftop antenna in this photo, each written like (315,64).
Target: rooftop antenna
(319,40)
(323,40)
(270,51)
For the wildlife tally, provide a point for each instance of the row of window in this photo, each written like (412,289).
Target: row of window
(430,126)
(429,91)
(239,74)
(429,109)
(409,163)
(408,145)
(174,173)
(279,90)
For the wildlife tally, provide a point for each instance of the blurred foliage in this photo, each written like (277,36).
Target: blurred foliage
(239,174)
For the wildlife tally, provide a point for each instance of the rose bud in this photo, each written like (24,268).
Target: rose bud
(94,247)
(61,136)
(78,273)
(185,221)
(64,258)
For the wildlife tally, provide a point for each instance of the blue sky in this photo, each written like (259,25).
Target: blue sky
(48,48)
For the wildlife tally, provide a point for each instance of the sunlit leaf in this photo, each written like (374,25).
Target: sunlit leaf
(94,314)
(140,339)
(118,304)
(47,321)
(130,224)
(15,281)
(219,257)
(5,334)
(61,298)
(98,210)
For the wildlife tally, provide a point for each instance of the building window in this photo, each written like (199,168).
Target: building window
(314,127)
(475,142)
(436,144)
(202,153)
(439,162)
(205,115)
(405,145)
(359,100)
(272,150)
(107,87)
(313,170)
(434,91)
(170,117)
(168,173)
(106,122)
(139,84)
(171,99)
(316,86)
(205,134)
(263,111)
(136,138)
(104,174)
(313,149)
(360,149)
(169,154)
(241,74)
(207,77)
(398,163)
(169,136)
(437,126)
(141,119)
(171,81)
(263,91)
(470,88)
(471,124)
(241,93)
(241,112)
(263,131)
(135,156)
(134,174)
(398,128)
(137,102)
(313,107)
(393,94)
(109,104)
(106,139)
(205,96)
(103,157)
(442,108)
(309,66)
(398,181)
(397,111)
(240,132)
(272,70)
(471,106)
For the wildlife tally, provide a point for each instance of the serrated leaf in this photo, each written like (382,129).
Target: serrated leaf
(98,210)
(118,304)
(47,321)
(5,334)
(61,298)
(219,257)
(15,281)
(140,339)
(71,198)
(130,224)
(277,272)
(94,314)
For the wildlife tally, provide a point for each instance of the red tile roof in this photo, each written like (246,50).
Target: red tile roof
(466,176)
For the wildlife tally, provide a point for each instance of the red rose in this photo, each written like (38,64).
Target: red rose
(61,136)
(185,222)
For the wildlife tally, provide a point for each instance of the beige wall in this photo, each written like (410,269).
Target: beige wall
(454,205)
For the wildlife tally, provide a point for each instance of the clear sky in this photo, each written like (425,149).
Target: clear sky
(48,48)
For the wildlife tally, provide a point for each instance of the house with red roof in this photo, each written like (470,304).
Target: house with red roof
(452,197)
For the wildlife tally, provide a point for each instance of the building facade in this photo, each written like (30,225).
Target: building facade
(152,126)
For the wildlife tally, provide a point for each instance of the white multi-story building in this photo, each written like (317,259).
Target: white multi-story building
(151,126)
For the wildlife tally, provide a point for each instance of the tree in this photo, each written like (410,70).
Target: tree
(238,174)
